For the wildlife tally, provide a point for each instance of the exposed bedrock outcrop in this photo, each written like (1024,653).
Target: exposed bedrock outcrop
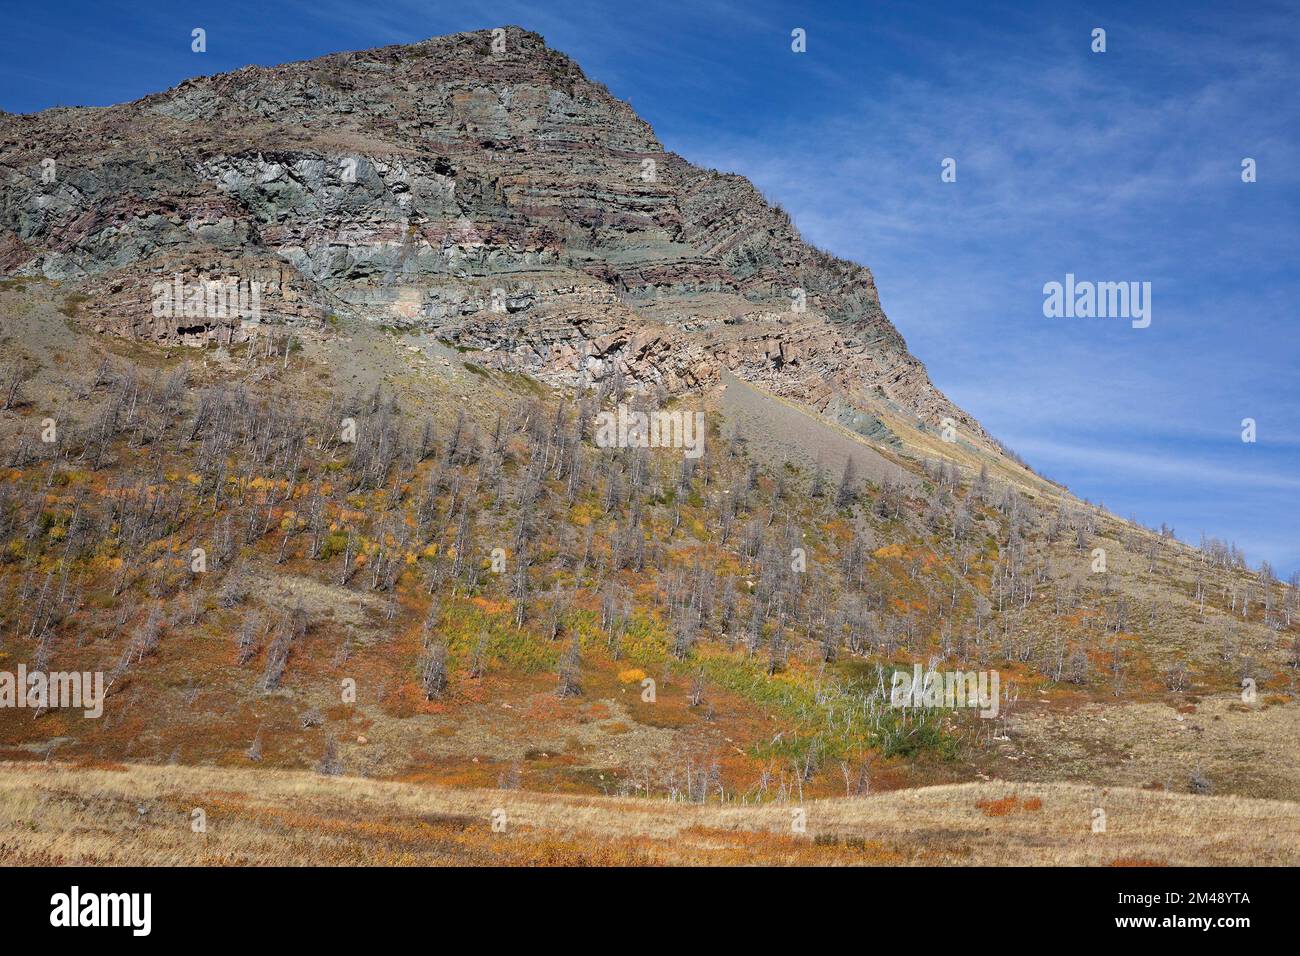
(501,200)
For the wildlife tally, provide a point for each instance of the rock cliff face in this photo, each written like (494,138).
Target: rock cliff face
(478,186)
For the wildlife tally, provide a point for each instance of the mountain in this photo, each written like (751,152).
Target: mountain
(303,372)
(404,185)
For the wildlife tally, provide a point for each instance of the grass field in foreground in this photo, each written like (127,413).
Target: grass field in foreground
(53,814)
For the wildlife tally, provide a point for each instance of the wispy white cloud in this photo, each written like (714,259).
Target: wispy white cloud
(1150,465)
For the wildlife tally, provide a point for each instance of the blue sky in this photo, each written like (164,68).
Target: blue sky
(1122,166)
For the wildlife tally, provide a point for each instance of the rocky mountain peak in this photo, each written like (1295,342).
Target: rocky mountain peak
(478,186)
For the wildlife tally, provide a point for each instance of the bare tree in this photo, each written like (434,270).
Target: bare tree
(848,490)
(569,670)
(433,671)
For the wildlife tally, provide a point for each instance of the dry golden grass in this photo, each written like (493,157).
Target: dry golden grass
(137,814)
(1250,750)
